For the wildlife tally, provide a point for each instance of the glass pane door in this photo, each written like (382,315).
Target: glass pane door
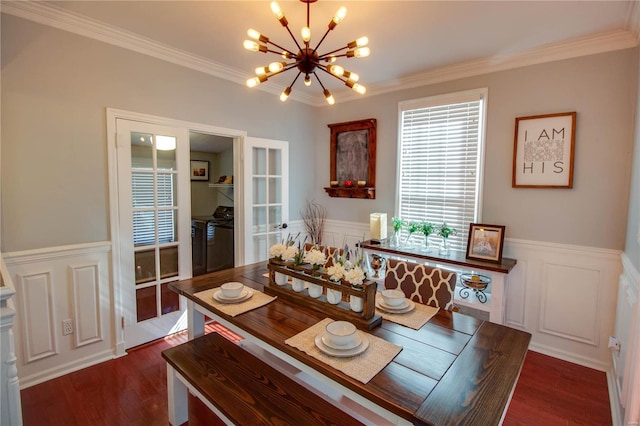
(150,213)
(266,196)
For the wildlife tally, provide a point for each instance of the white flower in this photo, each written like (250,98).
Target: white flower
(315,257)
(276,250)
(355,276)
(336,272)
(289,254)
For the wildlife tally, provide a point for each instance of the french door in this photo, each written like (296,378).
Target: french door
(154,225)
(266,196)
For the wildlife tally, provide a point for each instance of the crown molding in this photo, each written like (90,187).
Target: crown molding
(53,16)
(598,43)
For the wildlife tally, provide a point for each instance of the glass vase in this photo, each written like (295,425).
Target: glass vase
(425,246)
(407,241)
(444,247)
(395,239)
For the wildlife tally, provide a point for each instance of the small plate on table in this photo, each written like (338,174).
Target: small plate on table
(244,295)
(406,307)
(359,345)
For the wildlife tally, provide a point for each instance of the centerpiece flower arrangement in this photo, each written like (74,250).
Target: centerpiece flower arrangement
(355,276)
(315,257)
(336,272)
(277,251)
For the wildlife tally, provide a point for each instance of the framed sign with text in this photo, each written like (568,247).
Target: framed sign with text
(543,151)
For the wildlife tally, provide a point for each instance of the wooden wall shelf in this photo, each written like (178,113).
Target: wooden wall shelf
(367,192)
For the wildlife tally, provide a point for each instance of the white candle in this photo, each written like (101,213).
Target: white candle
(378,226)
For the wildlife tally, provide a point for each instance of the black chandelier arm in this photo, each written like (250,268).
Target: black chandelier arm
(293,37)
(281,48)
(321,40)
(324,68)
(319,81)
(287,68)
(295,79)
(324,55)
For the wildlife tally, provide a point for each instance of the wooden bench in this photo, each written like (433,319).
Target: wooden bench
(240,388)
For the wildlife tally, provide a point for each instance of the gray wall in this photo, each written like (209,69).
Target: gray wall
(631,247)
(600,88)
(56,86)
(55,89)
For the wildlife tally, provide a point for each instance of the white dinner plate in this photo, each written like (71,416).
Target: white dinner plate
(402,309)
(244,295)
(341,353)
(357,341)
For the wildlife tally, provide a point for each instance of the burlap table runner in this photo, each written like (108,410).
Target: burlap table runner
(361,367)
(414,319)
(232,309)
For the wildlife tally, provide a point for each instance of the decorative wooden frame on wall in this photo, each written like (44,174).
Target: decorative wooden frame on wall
(485,242)
(543,151)
(353,158)
(199,170)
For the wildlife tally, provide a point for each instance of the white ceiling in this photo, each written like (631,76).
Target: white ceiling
(412,42)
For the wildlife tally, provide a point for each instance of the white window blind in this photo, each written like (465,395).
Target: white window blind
(144,215)
(440,161)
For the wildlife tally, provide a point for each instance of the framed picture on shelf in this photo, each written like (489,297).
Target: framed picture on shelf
(543,151)
(485,242)
(199,170)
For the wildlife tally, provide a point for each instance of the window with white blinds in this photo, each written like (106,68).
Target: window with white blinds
(440,161)
(144,215)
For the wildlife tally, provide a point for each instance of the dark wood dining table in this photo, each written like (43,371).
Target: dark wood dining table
(456,369)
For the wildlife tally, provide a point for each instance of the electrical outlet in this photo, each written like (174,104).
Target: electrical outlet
(67,327)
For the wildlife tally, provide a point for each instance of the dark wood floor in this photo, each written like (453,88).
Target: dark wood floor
(132,391)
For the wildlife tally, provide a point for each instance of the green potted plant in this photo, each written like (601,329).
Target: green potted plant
(397,227)
(426,228)
(445,232)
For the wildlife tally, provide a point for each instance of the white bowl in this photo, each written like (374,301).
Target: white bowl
(341,333)
(232,290)
(393,297)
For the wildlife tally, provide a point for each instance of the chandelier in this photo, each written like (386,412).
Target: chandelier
(307,60)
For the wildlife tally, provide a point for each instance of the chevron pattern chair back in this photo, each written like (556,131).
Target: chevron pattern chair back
(422,283)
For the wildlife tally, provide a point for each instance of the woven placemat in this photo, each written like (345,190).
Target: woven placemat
(232,309)
(361,367)
(414,319)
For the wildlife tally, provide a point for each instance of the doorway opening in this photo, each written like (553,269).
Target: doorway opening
(213,237)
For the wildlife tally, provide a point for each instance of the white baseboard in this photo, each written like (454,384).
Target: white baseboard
(569,357)
(61,370)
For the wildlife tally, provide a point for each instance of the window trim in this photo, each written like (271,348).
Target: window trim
(443,99)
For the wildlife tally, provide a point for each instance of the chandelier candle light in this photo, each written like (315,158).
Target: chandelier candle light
(307,60)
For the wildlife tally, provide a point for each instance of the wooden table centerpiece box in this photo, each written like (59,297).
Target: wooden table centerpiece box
(366,320)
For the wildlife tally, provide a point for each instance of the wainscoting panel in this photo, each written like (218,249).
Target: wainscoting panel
(517,296)
(56,284)
(38,327)
(86,300)
(568,289)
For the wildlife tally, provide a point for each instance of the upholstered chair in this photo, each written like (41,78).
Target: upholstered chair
(332,255)
(422,283)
